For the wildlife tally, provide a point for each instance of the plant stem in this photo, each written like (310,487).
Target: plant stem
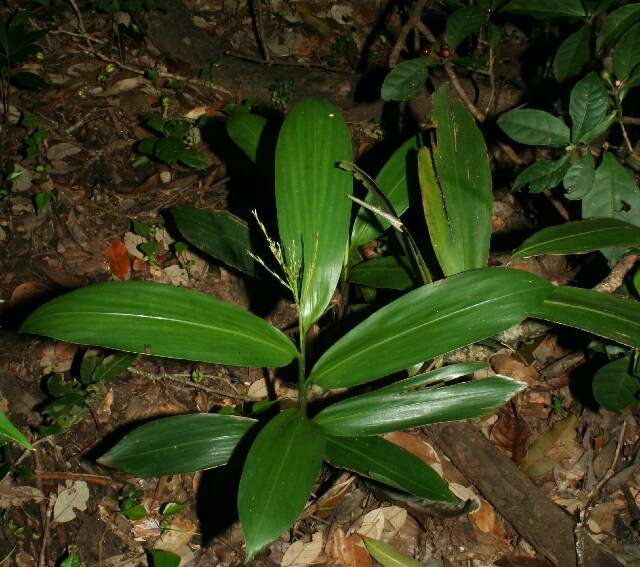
(621,121)
(302,362)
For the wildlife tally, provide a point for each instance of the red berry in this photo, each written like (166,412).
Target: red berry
(426,51)
(445,52)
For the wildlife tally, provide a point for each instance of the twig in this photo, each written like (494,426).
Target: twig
(615,278)
(557,205)
(177,378)
(273,62)
(259,26)
(631,120)
(453,77)
(91,478)
(411,23)
(42,562)
(607,475)
(79,18)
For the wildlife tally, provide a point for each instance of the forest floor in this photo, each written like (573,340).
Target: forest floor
(80,213)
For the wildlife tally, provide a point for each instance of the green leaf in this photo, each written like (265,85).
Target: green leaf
(534,127)
(220,234)
(385,462)
(587,106)
(543,175)
(193,158)
(393,181)
(161,320)
(277,477)
(463,23)
(430,321)
(154,121)
(616,23)
(546,9)
(161,558)
(71,560)
(370,415)
(614,193)
(246,129)
(572,55)
(8,432)
(614,388)
(626,54)
(113,365)
(608,316)
(147,145)
(314,211)
(388,272)
(387,555)
(178,444)
(579,237)
(405,79)
(437,376)
(578,181)
(168,149)
(455,181)
(599,129)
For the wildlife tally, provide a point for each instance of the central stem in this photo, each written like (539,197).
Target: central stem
(302,386)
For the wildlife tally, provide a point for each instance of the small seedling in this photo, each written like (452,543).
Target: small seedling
(131,506)
(173,143)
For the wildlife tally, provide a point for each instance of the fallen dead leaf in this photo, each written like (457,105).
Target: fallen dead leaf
(561,434)
(118,259)
(347,551)
(124,86)
(62,150)
(383,523)
(27,291)
(12,496)
(176,538)
(73,497)
(511,432)
(509,365)
(302,553)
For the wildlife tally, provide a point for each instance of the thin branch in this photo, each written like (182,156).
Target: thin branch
(453,77)
(256,6)
(615,278)
(411,23)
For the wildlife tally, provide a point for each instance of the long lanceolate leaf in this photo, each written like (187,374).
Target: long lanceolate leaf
(277,477)
(178,444)
(385,462)
(8,432)
(430,321)
(161,320)
(370,415)
(578,237)
(455,180)
(312,199)
(608,316)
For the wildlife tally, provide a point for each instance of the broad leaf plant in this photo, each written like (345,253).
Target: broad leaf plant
(358,389)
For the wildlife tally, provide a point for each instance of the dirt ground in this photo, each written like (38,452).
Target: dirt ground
(579,458)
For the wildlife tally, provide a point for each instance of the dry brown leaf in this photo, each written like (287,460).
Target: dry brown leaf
(486,520)
(347,551)
(118,259)
(124,86)
(383,523)
(12,496)
(27,291)
(520,561)
(73,496)
(509,365)
(562,434)
(511,432)
(176,538)
(303,553)
(62,150)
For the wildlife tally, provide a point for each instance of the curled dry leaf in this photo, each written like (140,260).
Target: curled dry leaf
(117,257)
(511,432)
(302,553)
